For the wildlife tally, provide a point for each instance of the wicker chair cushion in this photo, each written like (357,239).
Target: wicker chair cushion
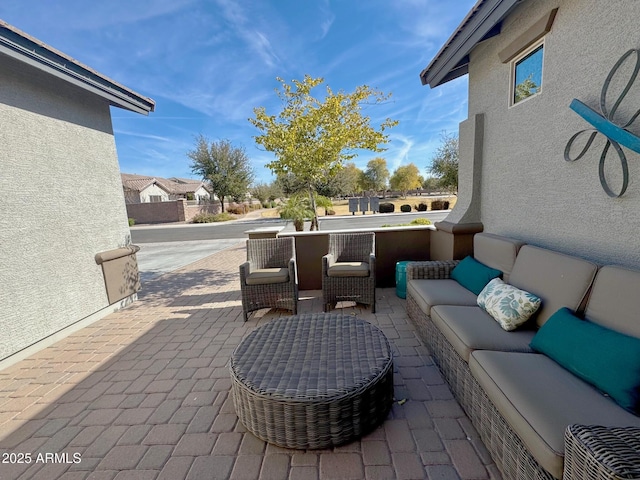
(348,269)
(471,328)
(264,276)
(429,293)
(539,399)
(559,280)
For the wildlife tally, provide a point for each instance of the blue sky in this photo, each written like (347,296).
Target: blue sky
(208,63)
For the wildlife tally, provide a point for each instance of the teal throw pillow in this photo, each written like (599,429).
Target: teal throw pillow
(606,359)
(473,275)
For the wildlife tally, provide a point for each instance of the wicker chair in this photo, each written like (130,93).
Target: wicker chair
(349,270)
(269,277)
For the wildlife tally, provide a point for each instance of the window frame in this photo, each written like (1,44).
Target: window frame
(512,76)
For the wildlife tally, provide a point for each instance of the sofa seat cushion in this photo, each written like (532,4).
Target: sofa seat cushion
(348,269)
(262,276)
(471,328)
(539,399)
(428,293)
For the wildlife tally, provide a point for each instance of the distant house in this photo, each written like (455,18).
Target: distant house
(527,62)
(141,189)
(62,211)
(144,189)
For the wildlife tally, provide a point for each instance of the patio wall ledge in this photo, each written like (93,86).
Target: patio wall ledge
(393,244)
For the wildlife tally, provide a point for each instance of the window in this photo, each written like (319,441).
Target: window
(526,74)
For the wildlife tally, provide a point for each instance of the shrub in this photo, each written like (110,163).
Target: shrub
(211,217)
(422,207)
(237,209)
(405,208)
(387,208)
(421,221)
(132,222)
(331,212)
(437,205)
(445,205)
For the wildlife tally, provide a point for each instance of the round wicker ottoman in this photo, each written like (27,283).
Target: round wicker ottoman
(312,381)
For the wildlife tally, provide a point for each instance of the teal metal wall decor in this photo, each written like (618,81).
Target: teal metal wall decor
(617,135)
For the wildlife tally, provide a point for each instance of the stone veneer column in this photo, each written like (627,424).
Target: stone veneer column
(453,238)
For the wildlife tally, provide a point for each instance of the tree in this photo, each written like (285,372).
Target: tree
(406,178)
(444,164)
(261,191)
(525,89)
(225,167)
(312,138)
(376,175)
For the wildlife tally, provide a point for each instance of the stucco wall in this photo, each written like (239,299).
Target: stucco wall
(145,195)
(61,202)
(528,190)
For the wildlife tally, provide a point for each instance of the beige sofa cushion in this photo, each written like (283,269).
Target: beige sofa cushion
(615,300)
(496,251)
(559,280)
(471,328)
(539,399)
(428,293)
(348,269)
(262,276)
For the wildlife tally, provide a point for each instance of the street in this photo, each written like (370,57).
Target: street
(165,248)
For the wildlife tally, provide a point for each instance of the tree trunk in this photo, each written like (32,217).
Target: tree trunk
(314,221)
(221,202)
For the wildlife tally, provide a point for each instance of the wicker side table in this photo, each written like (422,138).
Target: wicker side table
(312,381)
(594,452)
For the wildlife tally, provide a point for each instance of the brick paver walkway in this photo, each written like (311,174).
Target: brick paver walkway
(145,394)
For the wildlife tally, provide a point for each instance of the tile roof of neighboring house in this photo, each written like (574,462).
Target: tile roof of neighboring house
(140,182)
(27,49)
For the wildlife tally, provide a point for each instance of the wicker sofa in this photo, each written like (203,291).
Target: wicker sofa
(535,417)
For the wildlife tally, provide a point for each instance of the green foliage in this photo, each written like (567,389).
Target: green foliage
(386,208)
(421,221)
(430,184)
(211,217)
(132,222)
(406,178)
(525,89)
(225,167)
(375,176)
(437,205)
(261,192)
(312,138)
(405,208)
(297,207)
(444,165)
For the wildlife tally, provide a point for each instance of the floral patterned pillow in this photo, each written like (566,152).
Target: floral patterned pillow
(508,305)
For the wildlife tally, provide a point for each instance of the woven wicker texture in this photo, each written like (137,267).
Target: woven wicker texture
(312,381)
(350,247)
(506,448)
(595,452)
(269,253)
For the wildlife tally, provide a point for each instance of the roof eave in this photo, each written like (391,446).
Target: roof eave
(20,46)
(482,22)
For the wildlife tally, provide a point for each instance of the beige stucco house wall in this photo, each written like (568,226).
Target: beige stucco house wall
(62,200)
(512,157)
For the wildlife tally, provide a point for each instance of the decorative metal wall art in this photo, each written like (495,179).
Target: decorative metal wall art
(603,123)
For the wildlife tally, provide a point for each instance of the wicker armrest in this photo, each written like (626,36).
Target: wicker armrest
(434,269)
(245,270)
(293,271)
(596,452)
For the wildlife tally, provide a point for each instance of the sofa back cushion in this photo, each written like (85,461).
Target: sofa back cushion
(614,301)
(496,252)
(559,280)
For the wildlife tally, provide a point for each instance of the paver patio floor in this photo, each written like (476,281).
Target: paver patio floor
(144,393)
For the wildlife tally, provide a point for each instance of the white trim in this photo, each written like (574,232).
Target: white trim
(512,72)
